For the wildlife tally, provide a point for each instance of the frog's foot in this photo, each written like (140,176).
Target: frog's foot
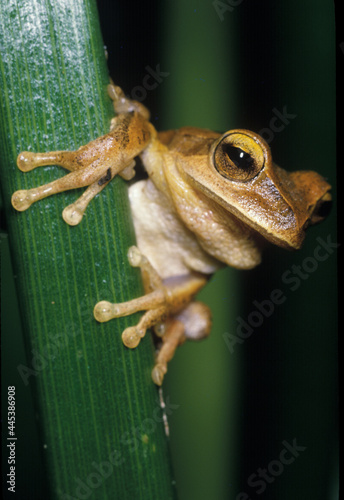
(74,213)
(87,176)
(155,302)
(92,165)
(164,302)
(23,199)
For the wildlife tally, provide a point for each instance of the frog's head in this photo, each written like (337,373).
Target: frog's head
(277,204)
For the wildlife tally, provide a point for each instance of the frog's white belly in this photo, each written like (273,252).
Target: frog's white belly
(161,236)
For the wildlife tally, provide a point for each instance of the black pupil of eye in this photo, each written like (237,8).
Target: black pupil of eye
(239,157)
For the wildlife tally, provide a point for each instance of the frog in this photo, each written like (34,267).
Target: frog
(208,200)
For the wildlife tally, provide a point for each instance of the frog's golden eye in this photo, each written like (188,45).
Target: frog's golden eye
(238,157)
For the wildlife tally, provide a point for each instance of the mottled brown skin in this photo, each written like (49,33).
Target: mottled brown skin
(209,201)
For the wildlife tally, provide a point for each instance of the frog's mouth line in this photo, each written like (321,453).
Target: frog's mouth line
(288,232)
(285,226)
(317,214)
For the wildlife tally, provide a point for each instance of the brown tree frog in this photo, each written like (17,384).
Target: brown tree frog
(209,200)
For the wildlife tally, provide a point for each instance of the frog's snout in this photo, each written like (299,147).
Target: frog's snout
(313,197)
(308,197)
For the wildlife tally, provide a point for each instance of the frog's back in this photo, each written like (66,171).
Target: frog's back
(188,141)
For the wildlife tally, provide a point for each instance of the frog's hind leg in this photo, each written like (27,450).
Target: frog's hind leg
(172,338)
(153,302)
(167,305)
(193,323)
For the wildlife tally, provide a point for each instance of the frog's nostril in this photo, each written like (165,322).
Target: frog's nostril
(322,208)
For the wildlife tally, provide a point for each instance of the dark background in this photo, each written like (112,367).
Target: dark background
(230,65)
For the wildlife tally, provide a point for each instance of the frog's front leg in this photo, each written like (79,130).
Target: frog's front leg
(169,310)
(88,176)
(93,165)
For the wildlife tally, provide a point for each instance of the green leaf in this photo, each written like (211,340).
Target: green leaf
(99,414)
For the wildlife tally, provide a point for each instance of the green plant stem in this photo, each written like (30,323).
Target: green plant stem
(99,416)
